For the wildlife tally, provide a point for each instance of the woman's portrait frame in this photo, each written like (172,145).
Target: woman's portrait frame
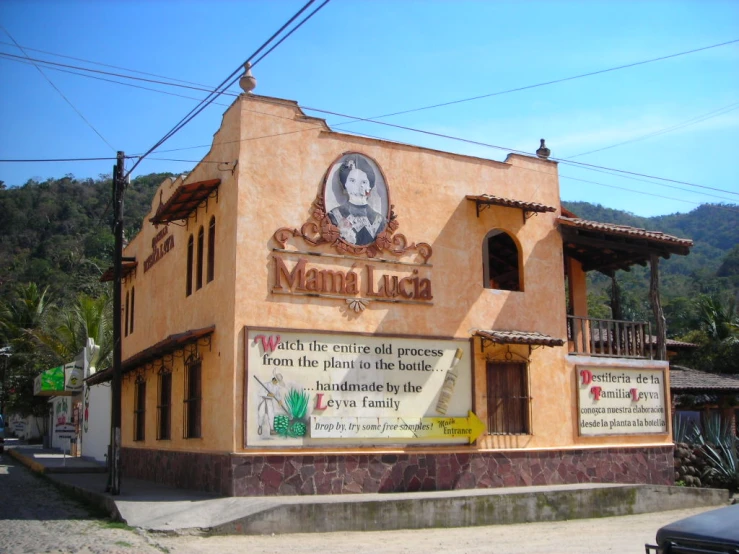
(356,198)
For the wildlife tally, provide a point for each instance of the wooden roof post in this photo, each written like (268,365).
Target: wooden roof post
(616,312)
(659,315)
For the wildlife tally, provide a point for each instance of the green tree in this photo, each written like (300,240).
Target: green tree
(65,333)
(26,312)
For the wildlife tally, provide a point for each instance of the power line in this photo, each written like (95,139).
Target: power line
(662,184)
(41,160)
(22,60)
(228,81)
(586,166)
(647,193)
(79,113)
(527,87)
(100,71)
(488,145)
(692,121)
(102,64)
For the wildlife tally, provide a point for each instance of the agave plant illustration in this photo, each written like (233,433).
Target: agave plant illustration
(293,424)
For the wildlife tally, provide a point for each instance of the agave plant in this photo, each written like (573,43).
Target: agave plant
(682,431)
(293,424)
(718,444)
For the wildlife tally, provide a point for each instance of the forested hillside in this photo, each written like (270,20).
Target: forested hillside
(57,233)
(712,268)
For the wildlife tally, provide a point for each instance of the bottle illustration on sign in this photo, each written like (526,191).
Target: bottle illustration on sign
(450,381)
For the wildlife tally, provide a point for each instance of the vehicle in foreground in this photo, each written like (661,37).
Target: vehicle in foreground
(716,531)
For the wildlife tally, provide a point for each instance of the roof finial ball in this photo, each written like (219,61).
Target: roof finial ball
(543,152)
(247,82)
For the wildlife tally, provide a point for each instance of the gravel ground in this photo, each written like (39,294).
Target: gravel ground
(35,517)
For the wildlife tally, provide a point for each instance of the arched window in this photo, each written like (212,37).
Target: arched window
(133,303)
(501,269)
(190,244)
(125,318)
(211,249)
(201,245)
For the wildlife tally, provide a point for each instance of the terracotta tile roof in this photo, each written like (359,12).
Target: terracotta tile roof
(162,348)
(184,201)
(166,346)
(126,269)
(517,337)
(686,379)
(489,199)
(679,343)
(624,230)
(102,376)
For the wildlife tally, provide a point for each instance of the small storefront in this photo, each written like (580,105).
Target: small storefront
(313,312)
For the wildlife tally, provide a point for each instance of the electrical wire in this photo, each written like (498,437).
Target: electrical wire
(41,160)
(67,100)
(103,64)
(555,81)
(217,92)
(687,123)
(356,119)
(488,145)
(2,54)
(729,208)
(113,74)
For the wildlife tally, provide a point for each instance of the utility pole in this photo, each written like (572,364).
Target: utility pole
(114,461)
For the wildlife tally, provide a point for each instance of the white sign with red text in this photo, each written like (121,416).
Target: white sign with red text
(621,401)
(312,388)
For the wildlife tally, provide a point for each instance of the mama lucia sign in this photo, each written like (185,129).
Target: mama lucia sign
(353,214)
(620,401)
(310,388)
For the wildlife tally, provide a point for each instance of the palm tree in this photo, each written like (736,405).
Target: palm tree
(718,319)
(27,311)
(66,333)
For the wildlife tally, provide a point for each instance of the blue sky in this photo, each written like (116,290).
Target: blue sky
(367,58)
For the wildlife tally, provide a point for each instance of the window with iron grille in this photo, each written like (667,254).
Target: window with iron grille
(133,306)
(508,399)
(199,273)
(190,248)
(193,382)
(164,407)
(211,249)
(139,411)
(125,318)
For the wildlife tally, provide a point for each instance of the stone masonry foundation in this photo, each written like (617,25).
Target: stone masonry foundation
(267,475)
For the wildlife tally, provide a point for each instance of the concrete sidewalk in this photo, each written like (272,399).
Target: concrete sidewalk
(165,509)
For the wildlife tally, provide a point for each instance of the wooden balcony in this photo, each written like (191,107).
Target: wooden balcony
(588,336)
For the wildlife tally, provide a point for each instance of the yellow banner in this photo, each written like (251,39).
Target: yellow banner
(438,428)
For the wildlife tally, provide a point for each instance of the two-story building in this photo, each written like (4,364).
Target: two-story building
(317,312)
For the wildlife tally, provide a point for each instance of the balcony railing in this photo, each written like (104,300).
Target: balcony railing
(610,337)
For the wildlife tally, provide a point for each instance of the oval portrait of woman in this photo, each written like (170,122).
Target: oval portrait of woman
(356,198)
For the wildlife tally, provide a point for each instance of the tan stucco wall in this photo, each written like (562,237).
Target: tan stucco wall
(282,160)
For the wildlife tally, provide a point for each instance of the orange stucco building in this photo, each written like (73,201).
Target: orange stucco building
(309,311)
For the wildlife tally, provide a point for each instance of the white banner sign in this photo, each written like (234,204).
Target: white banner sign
(620,401)
(316,388)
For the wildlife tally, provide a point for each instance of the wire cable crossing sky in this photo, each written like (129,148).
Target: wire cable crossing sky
(646,102)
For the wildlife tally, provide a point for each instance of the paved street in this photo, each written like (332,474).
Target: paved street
(35,517)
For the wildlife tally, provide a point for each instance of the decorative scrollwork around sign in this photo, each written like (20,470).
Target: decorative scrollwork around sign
(320,230)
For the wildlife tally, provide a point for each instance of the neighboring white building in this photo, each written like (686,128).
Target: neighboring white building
(95,421)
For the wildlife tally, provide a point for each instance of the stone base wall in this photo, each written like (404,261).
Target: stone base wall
(247,475)
(183,470)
